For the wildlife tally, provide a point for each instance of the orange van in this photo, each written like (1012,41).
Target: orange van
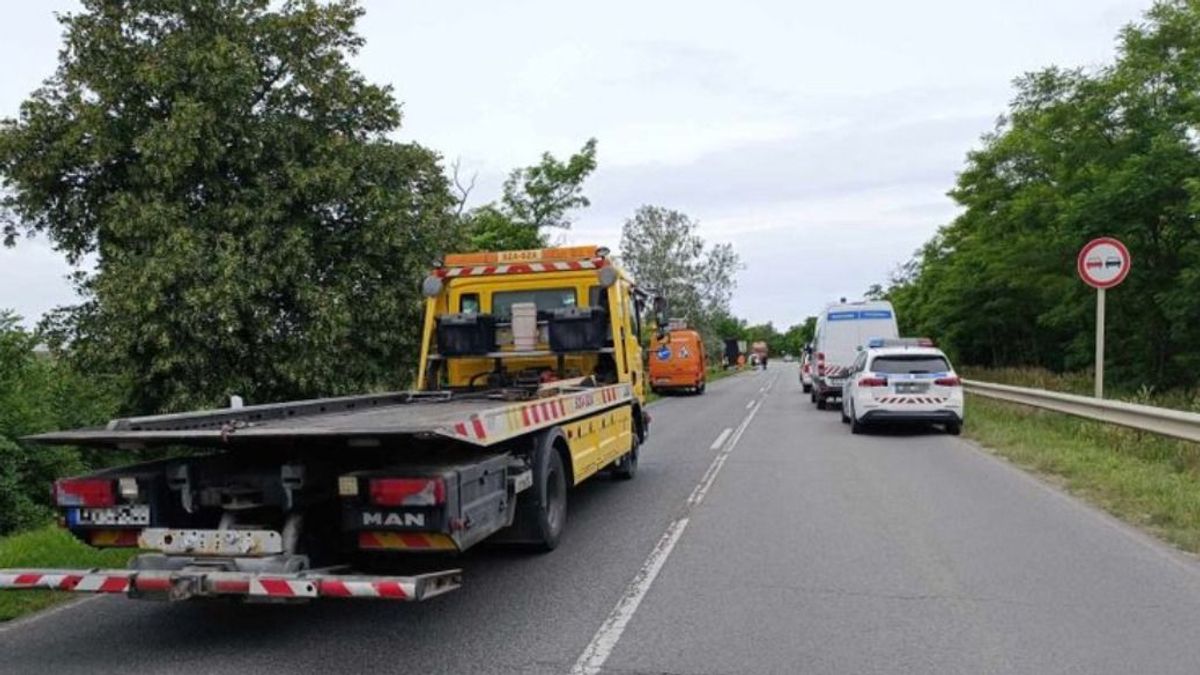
(679,362)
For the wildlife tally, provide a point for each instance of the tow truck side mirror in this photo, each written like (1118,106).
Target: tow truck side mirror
(660,316)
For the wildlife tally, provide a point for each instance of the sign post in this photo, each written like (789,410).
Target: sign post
(1102,264)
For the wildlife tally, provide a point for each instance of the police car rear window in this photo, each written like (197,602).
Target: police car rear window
(909,365)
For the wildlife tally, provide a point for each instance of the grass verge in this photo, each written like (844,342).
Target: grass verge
(1147,480)
(48,547)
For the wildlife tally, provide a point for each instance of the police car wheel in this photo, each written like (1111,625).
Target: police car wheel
(954,428)
(845,417)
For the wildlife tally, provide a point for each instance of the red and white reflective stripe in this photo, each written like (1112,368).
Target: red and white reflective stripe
(116,582)
(282,588)
(926,400)
(510,421)
(299,585)
(520,268)
(338,588)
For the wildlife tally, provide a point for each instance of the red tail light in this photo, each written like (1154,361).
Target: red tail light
(408,491)
(951,381)
(91,492)
(820,363)
(873,382)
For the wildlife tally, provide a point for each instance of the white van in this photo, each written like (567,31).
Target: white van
(841,330)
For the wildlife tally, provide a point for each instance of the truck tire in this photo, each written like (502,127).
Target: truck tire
(820,402)
(700,389)
(626,467)
(542,512)
(954,428)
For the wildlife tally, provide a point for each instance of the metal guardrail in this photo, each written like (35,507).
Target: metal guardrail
(1164,421)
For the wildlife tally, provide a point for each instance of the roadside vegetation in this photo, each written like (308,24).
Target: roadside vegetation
(1147,480)
(48,547)
(1079,153)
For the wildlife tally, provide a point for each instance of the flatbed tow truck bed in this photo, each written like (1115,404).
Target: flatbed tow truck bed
(354,421)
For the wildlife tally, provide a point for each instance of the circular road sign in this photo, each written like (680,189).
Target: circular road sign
(1103,262)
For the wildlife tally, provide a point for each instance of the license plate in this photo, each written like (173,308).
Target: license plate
(837,383)
(911,387)
(126,514)
(212,542)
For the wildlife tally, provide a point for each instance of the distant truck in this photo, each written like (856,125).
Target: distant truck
(842,329)
(760,352)
(530,380)
(679,362)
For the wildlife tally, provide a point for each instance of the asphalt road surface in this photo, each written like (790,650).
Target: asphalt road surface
(758,537)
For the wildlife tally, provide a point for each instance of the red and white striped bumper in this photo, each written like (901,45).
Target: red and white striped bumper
(184,584)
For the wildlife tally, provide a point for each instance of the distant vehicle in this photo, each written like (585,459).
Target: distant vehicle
(902,381)
(679,363)
(1096,263)
(841,330)
(760,350)
(1112,261)
(788,358)
(806,376)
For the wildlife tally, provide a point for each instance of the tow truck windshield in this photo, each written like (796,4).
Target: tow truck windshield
(546,299)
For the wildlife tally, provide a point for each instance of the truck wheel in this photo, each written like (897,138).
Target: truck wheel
(954,428)
(820,402)
(807,388)
(700,389)
(626,467)
(542,514)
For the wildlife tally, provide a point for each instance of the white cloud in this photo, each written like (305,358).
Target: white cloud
(818,137)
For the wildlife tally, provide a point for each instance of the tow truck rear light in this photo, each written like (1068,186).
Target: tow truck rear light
(820,363)
(873,382)
(951,381)
(90,492)
(408,491)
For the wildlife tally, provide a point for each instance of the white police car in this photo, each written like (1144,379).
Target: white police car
(902,380)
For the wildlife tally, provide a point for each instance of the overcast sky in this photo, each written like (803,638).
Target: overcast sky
(819,138)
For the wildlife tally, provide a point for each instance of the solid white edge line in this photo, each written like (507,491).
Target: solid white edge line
(598,650)
(749,405)
(609,634)
(22,621)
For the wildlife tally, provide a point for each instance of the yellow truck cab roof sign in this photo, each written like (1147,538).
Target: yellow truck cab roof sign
(557,254)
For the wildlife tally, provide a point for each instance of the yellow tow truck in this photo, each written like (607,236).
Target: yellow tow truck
(530,380)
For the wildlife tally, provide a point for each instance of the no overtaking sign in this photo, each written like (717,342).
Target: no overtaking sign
(1103,262)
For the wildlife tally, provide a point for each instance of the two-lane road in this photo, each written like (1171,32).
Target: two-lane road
(759,536)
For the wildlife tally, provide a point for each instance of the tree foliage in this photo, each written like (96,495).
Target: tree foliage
(39,393)
(664,252)
(535,198)
(1078,155)
(253,229)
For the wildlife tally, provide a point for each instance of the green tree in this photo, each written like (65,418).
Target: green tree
(1079,154)
(536,199)
(664,252)
(40,393)
(254,230)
